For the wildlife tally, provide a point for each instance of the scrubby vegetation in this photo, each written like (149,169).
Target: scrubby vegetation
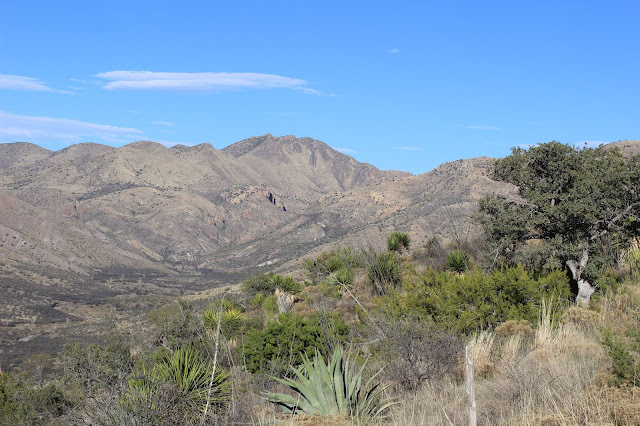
(377,335)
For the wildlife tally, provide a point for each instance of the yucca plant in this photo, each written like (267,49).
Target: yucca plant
(384,271)
(398,241)
(190,375)
(458,261)
(230,323)
(287,284)
(333,388)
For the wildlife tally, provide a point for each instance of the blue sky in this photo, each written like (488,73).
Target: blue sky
(400,84)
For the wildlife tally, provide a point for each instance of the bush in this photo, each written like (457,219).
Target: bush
(624,359)
(476,300)
(383,271)
(458,261)
(414,351)
(260,283)
(96,367)
(174,390)
(398,241)
(330,262)
(267,284)
(285,341)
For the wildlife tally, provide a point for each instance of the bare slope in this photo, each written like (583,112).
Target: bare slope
(304,167)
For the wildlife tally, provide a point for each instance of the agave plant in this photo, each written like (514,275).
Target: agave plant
(333,388)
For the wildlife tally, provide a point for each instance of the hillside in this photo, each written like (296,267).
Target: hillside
(93,232)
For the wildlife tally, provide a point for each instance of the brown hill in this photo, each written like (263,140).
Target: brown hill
(304,167)
(21,154)
(93,232)
(628,148)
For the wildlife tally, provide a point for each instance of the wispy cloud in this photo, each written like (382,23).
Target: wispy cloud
(392,51)
(200,81)
(28,128)
(410,148)
(163,123)
(481,127)
(30,84)
(346,150)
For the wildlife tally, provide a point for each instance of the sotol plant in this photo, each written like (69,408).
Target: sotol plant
(458,261)
(333,388)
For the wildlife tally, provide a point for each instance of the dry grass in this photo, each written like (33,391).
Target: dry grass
(543,381)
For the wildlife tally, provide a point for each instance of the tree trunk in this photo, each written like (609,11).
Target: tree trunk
(285,300)
(585,290)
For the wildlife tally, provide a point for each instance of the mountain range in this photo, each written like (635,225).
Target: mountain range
(91,228)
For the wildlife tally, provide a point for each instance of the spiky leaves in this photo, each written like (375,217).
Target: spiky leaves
(176,386)
(383,271)
(458,261)
(333,388)
(398,241)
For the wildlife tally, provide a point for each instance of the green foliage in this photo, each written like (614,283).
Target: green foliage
(260,283)
(231,322)
(270,304)
(458,261)
(383,271)
(625,358)
(24,403)
(96,367)
(578,202)
(177,325)
(331,262)
(286,340)
(477,300)
(333,388)
(398,241)
(287,284)
(257,300)
(267,284)
(175,388)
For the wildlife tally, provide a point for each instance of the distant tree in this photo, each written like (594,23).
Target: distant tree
(580,205)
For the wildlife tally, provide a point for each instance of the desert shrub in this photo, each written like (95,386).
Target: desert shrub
(96,367)
(260,283)
(267,284)
(286,284)
(580,316)
(458,261)
(231,321)
(478,300)
(383,272)
(285,341)
(174,390)
(398,241)
(515,328)
(176,325)
(270,304)
(625,359)
(414,351)
(330,262)
(22,402)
